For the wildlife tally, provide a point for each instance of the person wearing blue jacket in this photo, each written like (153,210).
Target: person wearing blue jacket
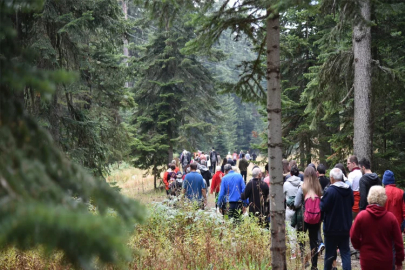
(336,207)
(232,186)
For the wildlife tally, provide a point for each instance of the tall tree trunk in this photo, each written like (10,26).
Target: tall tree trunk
(170,152)
(308,155)
(277,212)
(126,51)
(302,153)
(362,142)
(323,149)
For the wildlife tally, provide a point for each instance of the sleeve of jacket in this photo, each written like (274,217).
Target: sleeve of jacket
(221,194)
(352,198)
(266,190)
(398,242)
(325,201)
(213,183)
(298,198)
(243,186)
(363,195)
(246,193)
(403,215)
(355,233)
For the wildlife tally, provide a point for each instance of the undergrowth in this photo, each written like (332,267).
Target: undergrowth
(176,236)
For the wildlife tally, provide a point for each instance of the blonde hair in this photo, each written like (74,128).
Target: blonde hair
(377,195)
(311,185)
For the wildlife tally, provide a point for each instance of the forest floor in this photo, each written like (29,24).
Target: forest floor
(135,184)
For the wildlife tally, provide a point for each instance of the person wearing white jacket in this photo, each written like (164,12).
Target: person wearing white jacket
(290,189)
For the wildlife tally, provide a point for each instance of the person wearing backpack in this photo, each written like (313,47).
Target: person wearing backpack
(312,192)
(290,189)
(336,206)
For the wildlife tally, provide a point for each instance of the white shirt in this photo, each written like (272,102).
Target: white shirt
(354,178)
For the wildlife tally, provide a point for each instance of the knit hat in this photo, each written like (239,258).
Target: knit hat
(388,178)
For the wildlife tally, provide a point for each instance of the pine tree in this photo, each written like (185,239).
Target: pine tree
(175,93)
(46,197)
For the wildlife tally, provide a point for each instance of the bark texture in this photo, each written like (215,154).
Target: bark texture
(125,49)
(362,142)
(277,212)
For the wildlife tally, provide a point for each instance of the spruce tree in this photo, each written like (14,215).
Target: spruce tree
(175,93)
(46,197)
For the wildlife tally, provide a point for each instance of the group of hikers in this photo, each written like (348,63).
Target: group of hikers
(360,217)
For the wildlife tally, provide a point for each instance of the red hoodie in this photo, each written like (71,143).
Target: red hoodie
(373,233)
(395,202)
(216,181)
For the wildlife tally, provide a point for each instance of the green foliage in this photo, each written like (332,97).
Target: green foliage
(174,92)
(45,197)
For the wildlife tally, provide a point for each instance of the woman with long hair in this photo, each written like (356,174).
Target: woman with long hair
(309,196)
(224,162)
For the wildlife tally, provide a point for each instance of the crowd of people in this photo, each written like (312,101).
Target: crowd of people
(359,216)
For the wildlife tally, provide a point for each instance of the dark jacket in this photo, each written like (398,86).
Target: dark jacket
(230,161)
(324,181)
(366,182)
(243,165)
(257,192)
(336,208)
(206,174)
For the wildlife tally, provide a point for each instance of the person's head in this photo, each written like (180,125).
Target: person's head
(294,170)
(193,167)
(224,161)
(202,152)
(352,162)
(266,168)
(218,168)
(312,165)
(174,162)
(173,167)
(377,195)
(311,183)
(336,175)
(285,166)
(227,168)
(256,173)
(388,178)
(247,152)
(342,167)
(203,162)
(229,153)
(213,149)
(364,165)
(292,164)
(243,155)
(321,169)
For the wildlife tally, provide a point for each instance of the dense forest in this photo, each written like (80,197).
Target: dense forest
(86,84)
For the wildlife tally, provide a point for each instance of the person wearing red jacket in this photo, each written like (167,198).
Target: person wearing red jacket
(216,182)
(395,203)
(165,174)
(374,232)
